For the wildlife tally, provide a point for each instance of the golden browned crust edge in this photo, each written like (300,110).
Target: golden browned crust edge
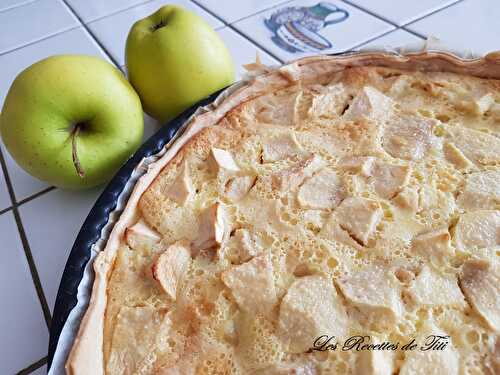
(86,356)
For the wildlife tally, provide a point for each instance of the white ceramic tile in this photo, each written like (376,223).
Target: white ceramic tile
(243,51)
(112,31)
(4,193)
(12,63)
(467,26)
(9,4)
(24,337)
(300,24)
(406,12)
(33,21)
(40,371)
(52,223)
(90,10)
(231,11)
(151,126)
(398,38)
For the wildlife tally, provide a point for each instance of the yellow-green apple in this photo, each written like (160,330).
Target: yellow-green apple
(174,59)
(71,120)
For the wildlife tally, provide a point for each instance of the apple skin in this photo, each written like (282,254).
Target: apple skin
(45,103)
(175,59)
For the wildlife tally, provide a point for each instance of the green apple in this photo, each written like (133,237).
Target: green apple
(174,59)
(71,120)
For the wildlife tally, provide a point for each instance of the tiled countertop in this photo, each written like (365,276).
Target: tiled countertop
(38,223)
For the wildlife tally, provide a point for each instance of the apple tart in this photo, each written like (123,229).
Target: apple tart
(333,197)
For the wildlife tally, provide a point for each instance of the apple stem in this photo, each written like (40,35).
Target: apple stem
(74,153)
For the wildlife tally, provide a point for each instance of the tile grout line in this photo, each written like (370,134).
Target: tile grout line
(209,11)
(29,199)
(282,2)
(403,26)
(254,42)
(36,195)
(418,35)
(81,24)
(32,267)
(230,26)
(27,2)
(261,11)
(34,366)
(380,36)
(386,20)
(94,38)
(39,40)
(370,13)
(113,13)
(27,250)
(431,13)
(5,210)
